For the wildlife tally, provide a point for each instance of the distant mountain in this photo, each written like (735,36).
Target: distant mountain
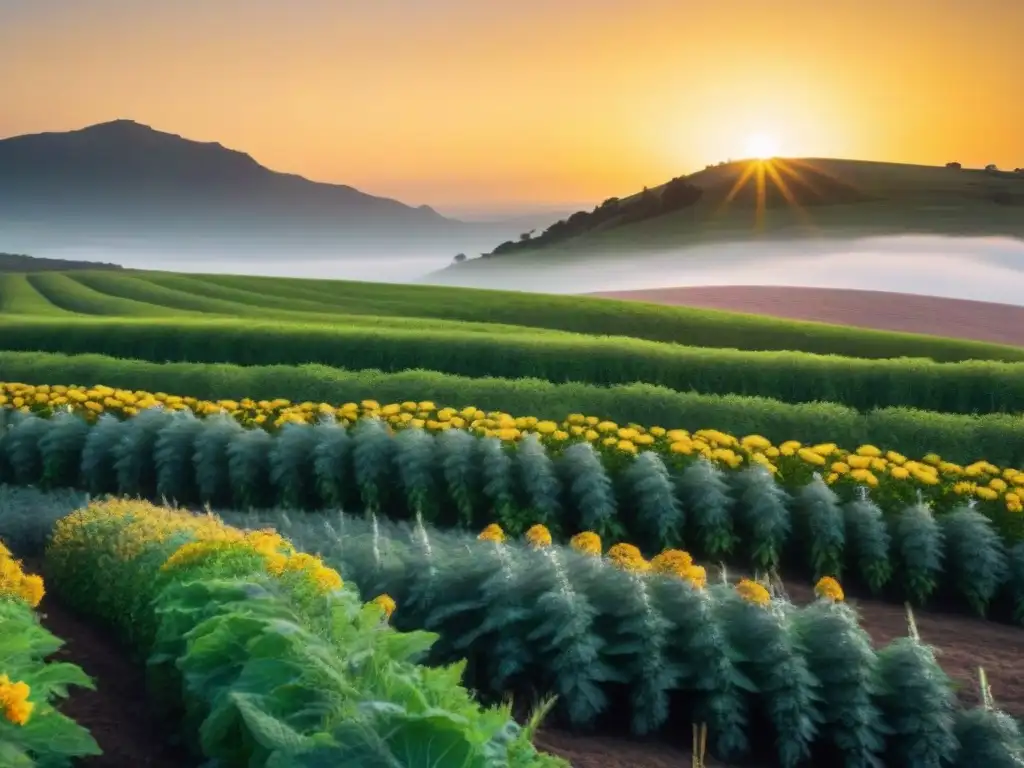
(747,200)
(122,176)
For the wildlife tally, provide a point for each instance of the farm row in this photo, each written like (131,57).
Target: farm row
(147,294)
(794,377)
(32,730)
(961,438)
(306,673)
(916,530)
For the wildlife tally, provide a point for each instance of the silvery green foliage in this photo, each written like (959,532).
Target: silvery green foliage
(248,469)
(589,490)
(332,463)
(9,417)
(98,455)
(763,515)
(659,516)
(496,468)
(27,515)
(868,543)
(62,450)
(133,454)
(917,542)
(416,459)
(372,454)
(987,737)
(917,703)
(771,655)
(23,449)
(701,652)
(425,563)
(707,507)
(173,455)
(457,450)
(213,480)
(635,644)
(839,654)
(975,556)
(1016,563)
(538,480)
(821,523)
(291,465)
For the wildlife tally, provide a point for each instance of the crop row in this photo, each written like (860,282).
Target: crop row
(962,438)
(911,528)
(149,293)
(32,730)
(763,675)
(795,377)
(263,654)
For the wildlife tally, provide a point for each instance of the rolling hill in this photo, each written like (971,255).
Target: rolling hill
(789,198)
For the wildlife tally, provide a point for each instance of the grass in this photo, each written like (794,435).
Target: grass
(968,387)
(335,302)
(998,437)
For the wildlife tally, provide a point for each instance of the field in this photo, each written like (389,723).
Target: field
(905,313)
(495,525)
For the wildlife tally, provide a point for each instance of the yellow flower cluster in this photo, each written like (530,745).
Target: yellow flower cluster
(828,588)
(539,536)
(386,603)
(628,558)
(753,592)
(140,525)
(492,532)
(676,562)
(587,542)
(14,582)
(866,466)
(14,701)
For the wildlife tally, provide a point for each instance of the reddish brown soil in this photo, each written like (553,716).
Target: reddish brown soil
(933,315)
(963,644)
(117,713)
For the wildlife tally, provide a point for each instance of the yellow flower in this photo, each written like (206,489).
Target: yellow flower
(789,448)
(674,562)
(627,557)
(840,467)
(33,590)
(684,447)
(987,494)
(756,443)
(386,603)
(697,576)
(14,700)
(753,592)
(539,536)
(829,589)
(626,446)
(899,473)
(327,579)
(868,450)
(493,533)
(587,542)
(546,427)
(809,456)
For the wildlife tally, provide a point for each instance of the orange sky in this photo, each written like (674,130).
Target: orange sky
(463,104)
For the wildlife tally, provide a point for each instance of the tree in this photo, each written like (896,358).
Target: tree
(954,166)
(991,167)
(459,258)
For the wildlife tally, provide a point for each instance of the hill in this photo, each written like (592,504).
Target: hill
(792,198)
(19,262)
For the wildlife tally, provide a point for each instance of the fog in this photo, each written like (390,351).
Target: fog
(988,269)
(981,268)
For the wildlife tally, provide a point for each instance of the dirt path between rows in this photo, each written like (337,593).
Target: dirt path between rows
(117,713)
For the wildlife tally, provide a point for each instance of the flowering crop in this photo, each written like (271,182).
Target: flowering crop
(193,594)
(888,472)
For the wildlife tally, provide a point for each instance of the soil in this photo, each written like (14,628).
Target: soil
(117,713)
(909,313)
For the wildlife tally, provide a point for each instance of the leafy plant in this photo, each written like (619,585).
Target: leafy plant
(868,542)
(823,528)
(762,513)
(707,507)
(589,490)
(917,542)
(975,557)
(651,495)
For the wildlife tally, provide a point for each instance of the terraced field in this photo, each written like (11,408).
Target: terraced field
(576,496)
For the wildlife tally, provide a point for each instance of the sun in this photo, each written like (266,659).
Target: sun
(761,146)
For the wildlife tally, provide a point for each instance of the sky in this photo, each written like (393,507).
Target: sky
(501,105)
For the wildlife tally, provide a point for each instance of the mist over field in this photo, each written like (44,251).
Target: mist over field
(980,268)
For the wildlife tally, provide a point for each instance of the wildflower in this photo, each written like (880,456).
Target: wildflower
(829,589)
(587,542)
(697,576)
(539,536)
(493,533)
(327,579)
(810,456)
(753,592)
(14,701)
(386,603)
(672,561)
(627,557)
